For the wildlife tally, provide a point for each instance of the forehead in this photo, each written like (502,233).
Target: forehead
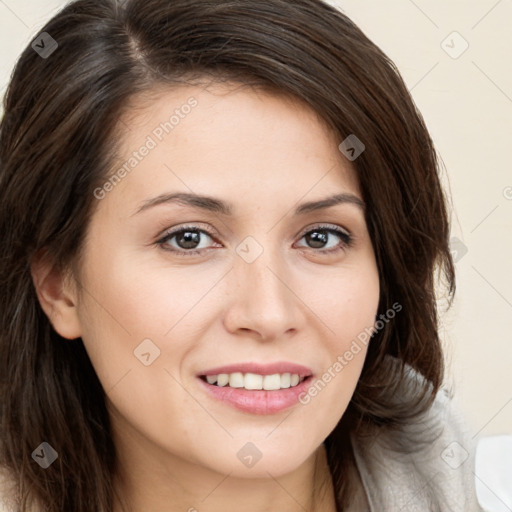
(227,136)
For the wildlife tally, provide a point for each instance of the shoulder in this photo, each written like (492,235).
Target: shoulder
(426,464)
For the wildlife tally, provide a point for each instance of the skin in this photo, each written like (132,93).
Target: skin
(177,446)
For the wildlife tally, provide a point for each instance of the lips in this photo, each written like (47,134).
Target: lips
(257,400)
(260,402)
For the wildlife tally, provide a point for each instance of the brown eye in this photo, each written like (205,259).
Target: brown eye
(185,241)
(324,237)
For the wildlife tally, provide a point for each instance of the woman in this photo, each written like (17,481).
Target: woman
(221,223)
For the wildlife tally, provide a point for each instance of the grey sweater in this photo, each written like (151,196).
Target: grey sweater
(402,472)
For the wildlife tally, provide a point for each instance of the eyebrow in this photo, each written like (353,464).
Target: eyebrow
(221,207)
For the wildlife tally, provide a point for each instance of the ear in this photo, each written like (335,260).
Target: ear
(57,295)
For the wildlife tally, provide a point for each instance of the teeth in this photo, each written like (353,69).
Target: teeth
(222,379)
(255,381)
(286,380)
(236,380)
(271,382)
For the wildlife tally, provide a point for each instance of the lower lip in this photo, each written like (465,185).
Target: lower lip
(257,401)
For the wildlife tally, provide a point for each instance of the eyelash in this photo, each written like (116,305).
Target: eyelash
(344,236)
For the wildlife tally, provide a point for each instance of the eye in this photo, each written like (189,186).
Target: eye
(188,241)
(191,240)
(320,238)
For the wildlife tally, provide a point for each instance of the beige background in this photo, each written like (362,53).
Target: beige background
(466,100)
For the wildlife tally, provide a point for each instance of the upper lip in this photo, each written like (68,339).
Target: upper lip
(261,369)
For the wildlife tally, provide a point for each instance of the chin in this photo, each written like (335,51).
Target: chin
(248,459)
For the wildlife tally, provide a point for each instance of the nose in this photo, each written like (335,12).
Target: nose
(263,301)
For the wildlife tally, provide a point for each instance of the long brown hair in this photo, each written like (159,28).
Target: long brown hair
(57,143)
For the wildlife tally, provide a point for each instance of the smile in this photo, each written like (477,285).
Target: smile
(255,381)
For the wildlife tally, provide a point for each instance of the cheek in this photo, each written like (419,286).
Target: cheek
(350,303)
(350,306)
(145,298)
(127,303)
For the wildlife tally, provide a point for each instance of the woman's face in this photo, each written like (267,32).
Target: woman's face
(249,272)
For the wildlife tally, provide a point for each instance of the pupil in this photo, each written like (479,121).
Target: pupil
(318,237)
(189,239)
